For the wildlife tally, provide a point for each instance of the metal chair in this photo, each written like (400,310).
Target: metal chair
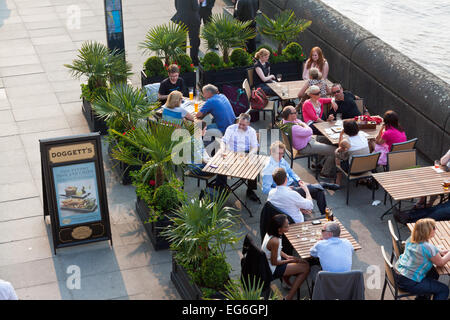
(407,145)
(390,280)
(361,167)
(329,286)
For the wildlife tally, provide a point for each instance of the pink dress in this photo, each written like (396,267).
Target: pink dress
(390,136)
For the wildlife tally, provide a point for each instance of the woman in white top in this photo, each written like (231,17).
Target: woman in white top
(281,264)
(172,110)
(355,143)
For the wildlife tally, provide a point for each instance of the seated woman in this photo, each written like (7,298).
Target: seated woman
(315,79)
(391,132)
(281,264)
(312,108)
(316,60)
(172,110)
(355,143)
(415,271)
(262,70)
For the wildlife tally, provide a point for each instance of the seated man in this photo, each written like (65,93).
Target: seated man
(303,140)
(345,101)
(289,201)
(334,253)
(172,83)
(200,155)
(218,105)
(276,161)
(241,137)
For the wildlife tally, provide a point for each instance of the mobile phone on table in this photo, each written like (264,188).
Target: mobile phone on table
(316,222)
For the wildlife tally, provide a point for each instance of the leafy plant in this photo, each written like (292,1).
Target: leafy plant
(294,52)
(283,29)
(211,61)
(213,272)
(225,32)
(184,62)
(167,41)
(251,289)
(153,67)
(240,58)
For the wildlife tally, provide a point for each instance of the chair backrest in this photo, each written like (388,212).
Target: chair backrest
(339,286)
(395,242)
(246,87)
(287,142)
(169,116)
(250,72)
(407,145)
(360,105)
(389,269)
(363,163)
(254,262)
(399,160)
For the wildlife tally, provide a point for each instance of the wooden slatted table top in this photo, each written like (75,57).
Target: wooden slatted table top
(300,235)
(188,105)
(237,164)
(413,183)
(441,238)
(326,126)
(293,88)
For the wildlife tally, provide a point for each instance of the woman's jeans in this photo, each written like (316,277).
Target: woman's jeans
(429,285)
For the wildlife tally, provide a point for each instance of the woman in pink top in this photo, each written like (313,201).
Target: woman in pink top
(390,133)
(312,108)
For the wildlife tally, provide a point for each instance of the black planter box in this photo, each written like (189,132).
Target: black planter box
(153,229)
(188,77)
(232,76)
(95,124)
(186,288)
(291,71)
(121,169)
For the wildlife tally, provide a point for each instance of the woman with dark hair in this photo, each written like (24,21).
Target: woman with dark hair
(281,264)
(317,60)
(391,132)
(355,143)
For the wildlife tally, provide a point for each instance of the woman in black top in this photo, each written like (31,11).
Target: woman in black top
(262,69)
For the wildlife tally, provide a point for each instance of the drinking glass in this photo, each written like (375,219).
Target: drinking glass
(437,164)
(339,117)
(191,93)
(279,76)
(196,105)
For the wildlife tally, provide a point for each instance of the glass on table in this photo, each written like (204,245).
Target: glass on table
(446,184)
(437,164)
(191,93)
(279,76)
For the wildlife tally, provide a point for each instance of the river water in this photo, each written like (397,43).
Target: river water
(420,29)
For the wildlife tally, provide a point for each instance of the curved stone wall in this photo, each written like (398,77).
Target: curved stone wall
(372,69)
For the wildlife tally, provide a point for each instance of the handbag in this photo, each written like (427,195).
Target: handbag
(258,99)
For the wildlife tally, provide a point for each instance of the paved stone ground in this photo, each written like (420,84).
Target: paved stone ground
(39,99)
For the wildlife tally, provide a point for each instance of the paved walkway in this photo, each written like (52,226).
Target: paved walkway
(38,99)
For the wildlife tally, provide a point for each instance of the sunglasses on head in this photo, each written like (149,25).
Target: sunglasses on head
(315,93)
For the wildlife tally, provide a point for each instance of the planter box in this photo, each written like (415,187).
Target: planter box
(153,229)
(291,71)
(188,77)
(233,76)
(95,124)
(186,288)
(121,169)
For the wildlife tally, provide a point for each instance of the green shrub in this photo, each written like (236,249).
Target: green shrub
(165,198)
(294,52)
(211,61)
(154,67)
(184,62)
(92,95)
(213,272)
(240,58)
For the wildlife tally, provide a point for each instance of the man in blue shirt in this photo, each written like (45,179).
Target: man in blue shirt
(334,253)
(276,161)
(218,105)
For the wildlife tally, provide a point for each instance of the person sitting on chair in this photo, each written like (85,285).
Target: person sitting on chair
(313,109)
(334,253)
(345,103)
(200,155)
(317,192)
(262,70)
(172,83)
(282,265)
(315,79)
(173,111)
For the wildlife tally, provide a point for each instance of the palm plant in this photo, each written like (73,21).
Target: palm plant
(200,228)
(225,32)
(123,107)
(168,41)
(246,290)
(283,29)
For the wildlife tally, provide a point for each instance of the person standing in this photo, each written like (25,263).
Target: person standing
(206,10)
(188,12)
(245,10)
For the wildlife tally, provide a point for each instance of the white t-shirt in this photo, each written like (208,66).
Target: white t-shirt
(358,142)
(7,291)
(289,202)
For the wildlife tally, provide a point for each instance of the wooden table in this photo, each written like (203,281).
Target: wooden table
(188,105)
(291,88)
(326,128)
(300,235)
(237,165)
(441,238)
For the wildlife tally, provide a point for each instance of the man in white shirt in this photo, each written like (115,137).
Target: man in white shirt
(7,291)
(240,137)
(287,200)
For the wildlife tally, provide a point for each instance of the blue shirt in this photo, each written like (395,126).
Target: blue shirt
(221,109)
(268,183)
(335,254)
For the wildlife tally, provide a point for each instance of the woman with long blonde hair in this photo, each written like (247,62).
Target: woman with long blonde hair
(415,271)
(316,60)
(173,111)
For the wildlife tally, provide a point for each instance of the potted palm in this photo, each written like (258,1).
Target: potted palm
(283,29)
(102,67)
(200,232)
(123,108)
(225,33)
